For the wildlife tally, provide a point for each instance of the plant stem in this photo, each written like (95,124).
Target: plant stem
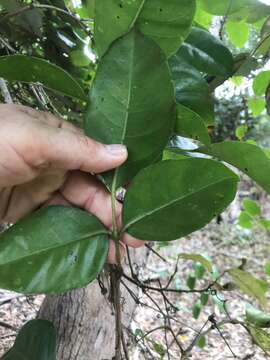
(116,274)
(45,7)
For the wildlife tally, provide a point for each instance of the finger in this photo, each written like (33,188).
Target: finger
(87,192)
(62,145)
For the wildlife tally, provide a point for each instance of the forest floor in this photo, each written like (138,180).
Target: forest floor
(227,245)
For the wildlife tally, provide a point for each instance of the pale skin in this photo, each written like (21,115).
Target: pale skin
(45,160)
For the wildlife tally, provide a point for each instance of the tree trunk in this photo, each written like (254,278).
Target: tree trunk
(84,319)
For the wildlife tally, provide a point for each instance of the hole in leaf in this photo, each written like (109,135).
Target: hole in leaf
(121,6)
(160,10)
(246,169)
(118,17)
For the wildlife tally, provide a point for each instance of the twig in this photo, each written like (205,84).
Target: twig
(5,92)
(155,252)
(45,7)
(7,326)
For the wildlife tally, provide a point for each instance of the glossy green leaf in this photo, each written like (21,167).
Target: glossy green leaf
(190,125)
(191,90)
(256,105)
(199,270)
(201,342)
(267,268)
(241,131)
(249,158)
(191,282)
(199,259)
(194,191)
(196,310)
(261,82)
(132,103)
(207,53)
(257,317)
(248,10)
(245,220)
(238,33)
(54,250)
(36,340)
(252,207)
(203,18)
(265,224)
(35,70)
(167,22)
(224,7)
(260,337)
(250,285)
(113,19)
(204,299)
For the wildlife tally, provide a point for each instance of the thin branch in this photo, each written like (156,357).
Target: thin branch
(7,326)
(5,92)
(45,7)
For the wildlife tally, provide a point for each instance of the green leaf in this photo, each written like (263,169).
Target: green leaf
(159,349)
(238,33)
(245,220)
(224,7)
(265,223)
(199,270)
(249,158)
(257,317)
(194,191)
(260,337)
(237,80)
(35,70)
(204,299)
(191,282)
(203,18)
(196,310)
(54,250)
(256,106)
(201,342)
(189,124)
(207,53)
(118,16)
(241,131)
(267,268)
(191,90)
(36,340)
(167,23)
(132,103)
(198,258)
(250,285)
(252,207)
(261,82)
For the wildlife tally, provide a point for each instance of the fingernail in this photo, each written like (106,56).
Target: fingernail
(116,149)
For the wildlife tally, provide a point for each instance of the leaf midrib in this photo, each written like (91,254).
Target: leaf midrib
(124,130)
(38,252)
(172,202)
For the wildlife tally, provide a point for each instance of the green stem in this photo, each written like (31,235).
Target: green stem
(115,233)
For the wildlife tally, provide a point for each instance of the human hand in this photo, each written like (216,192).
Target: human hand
(46,159)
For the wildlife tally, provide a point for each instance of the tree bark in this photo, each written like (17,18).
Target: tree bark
(84,319)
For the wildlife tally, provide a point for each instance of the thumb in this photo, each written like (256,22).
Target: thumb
(72,150)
